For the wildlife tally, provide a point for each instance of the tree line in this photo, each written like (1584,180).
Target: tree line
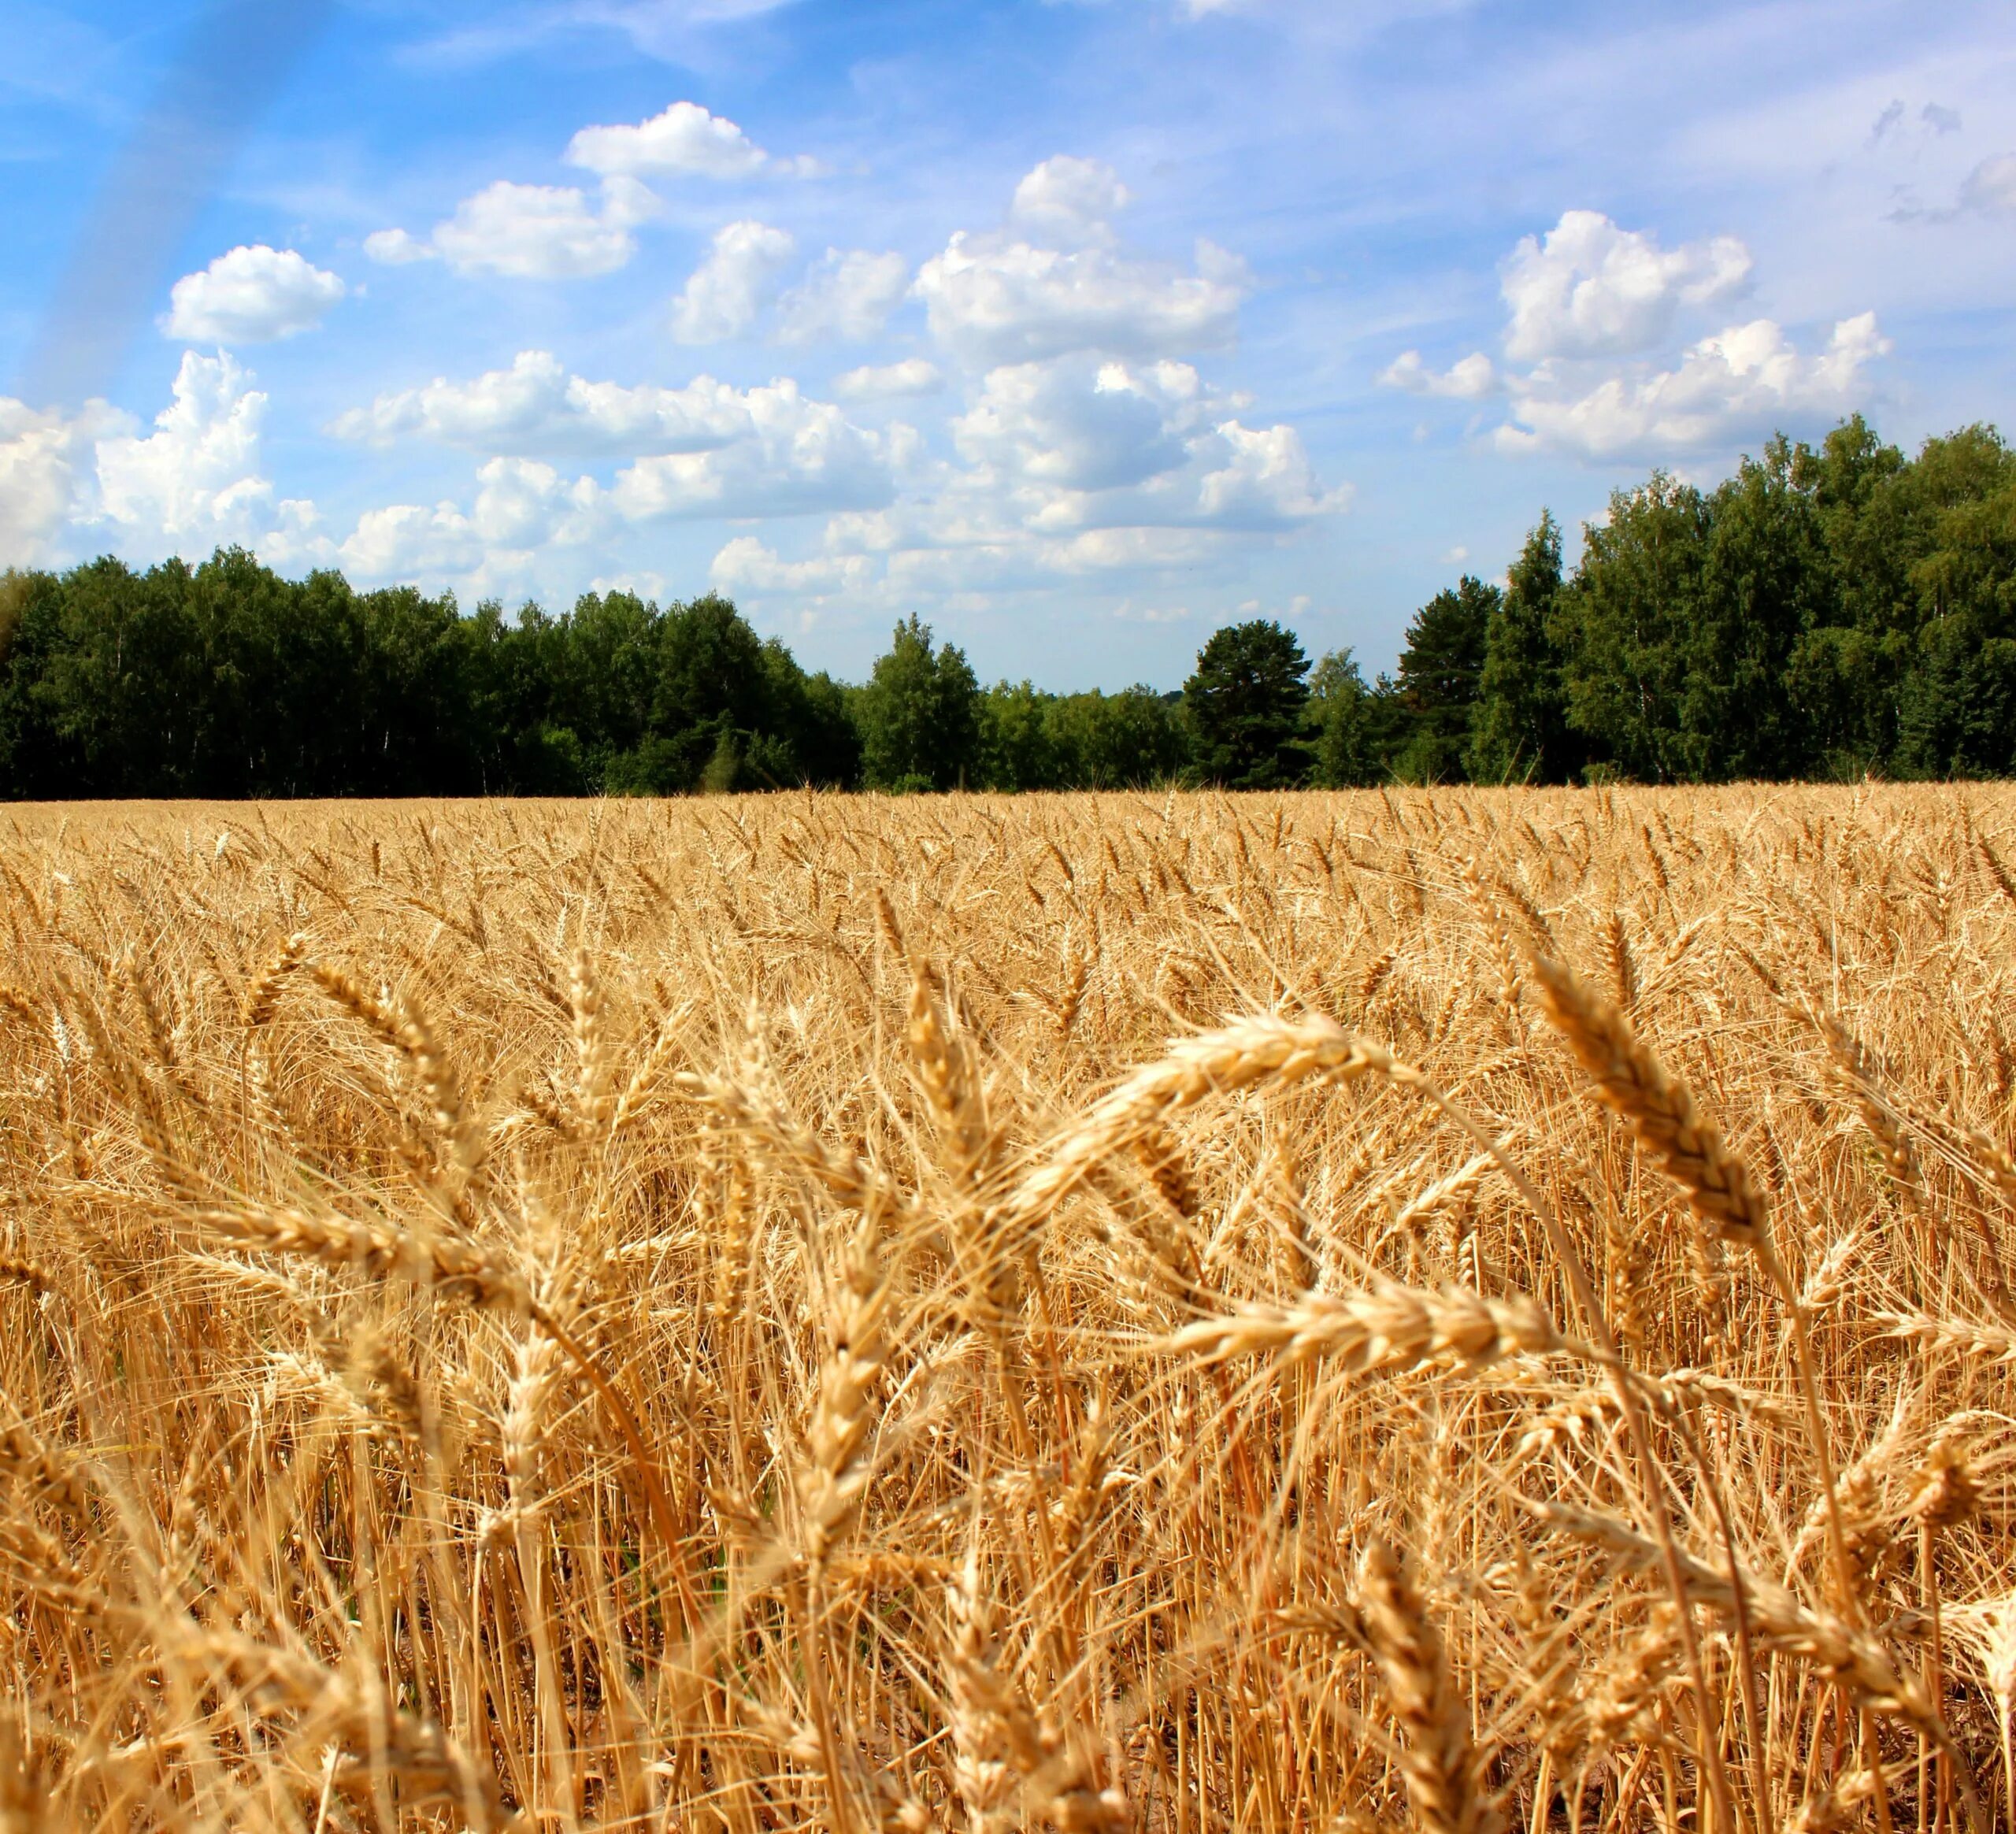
(1826,612)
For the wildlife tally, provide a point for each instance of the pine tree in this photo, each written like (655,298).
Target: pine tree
(1439,669)
(1518,733)
(1244,704)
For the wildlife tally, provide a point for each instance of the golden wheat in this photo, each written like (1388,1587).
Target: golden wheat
(1102,1312)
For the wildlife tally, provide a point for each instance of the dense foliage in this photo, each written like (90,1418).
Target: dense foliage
(1825,612)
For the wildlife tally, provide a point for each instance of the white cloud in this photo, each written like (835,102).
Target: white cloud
(397,248)
(849,295)
(799,456)
(195,480)
(251,296)
(521,503)
(191,484)
(45,461)
(521,507)
(1592,293)
(1106,550)
(1054,423)
(1072,199)
(1007,297)
(1069,444)
(407,541)
(1990,186)
(1264,481)
(536,407)
(705,450)
(686,141)
(1591,289)
(555,232)
(533,232)
(1732,385)
(1469,378)
(726,292)
(997,300)
(746,565)
(913,376)
(537,232)
(1077,468)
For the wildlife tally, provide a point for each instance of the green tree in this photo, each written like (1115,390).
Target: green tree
(1957,712)
(1517,731)
(715,723)
(1626,621)
(1017,739)
(828,741)
(1357,730)
(1132,739)
(1439,669)
(919,715)
(1244,704)
(1844,673)
(35,759)
(1766,581)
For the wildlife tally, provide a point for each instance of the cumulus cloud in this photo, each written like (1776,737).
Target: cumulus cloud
(913,376)
(45,469)
(1587,308)
(520,506)
(537,407)
(1001,300)
(1071,199)
(1735,384)
(799,456)
(1054,423)
(725,293)
(704,450)
(1469,378)
(848,295)
(686,141)
(408,541)
(1261,477)
(555,232)
(747,566)
(1069,464)
(959,555)
(1007,296)
(536,232)
(193,482)
(1591,289)
(251,296)
(195,479)
(1073,445)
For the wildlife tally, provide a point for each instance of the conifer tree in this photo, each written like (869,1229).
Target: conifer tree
(1517,734)
(1439,673)
(1244,704)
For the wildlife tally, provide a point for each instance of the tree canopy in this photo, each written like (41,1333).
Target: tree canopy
(1824,611)
(1245,703)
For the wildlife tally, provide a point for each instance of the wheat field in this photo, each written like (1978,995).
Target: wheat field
(1458,1310)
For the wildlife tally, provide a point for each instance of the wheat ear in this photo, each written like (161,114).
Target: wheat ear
(1659,1111)
(1439,1762)
(1390,1327)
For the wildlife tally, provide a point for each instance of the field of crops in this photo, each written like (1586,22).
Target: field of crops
(1459,1311)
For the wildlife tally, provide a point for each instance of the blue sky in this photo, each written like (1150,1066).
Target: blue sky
(1079,329)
